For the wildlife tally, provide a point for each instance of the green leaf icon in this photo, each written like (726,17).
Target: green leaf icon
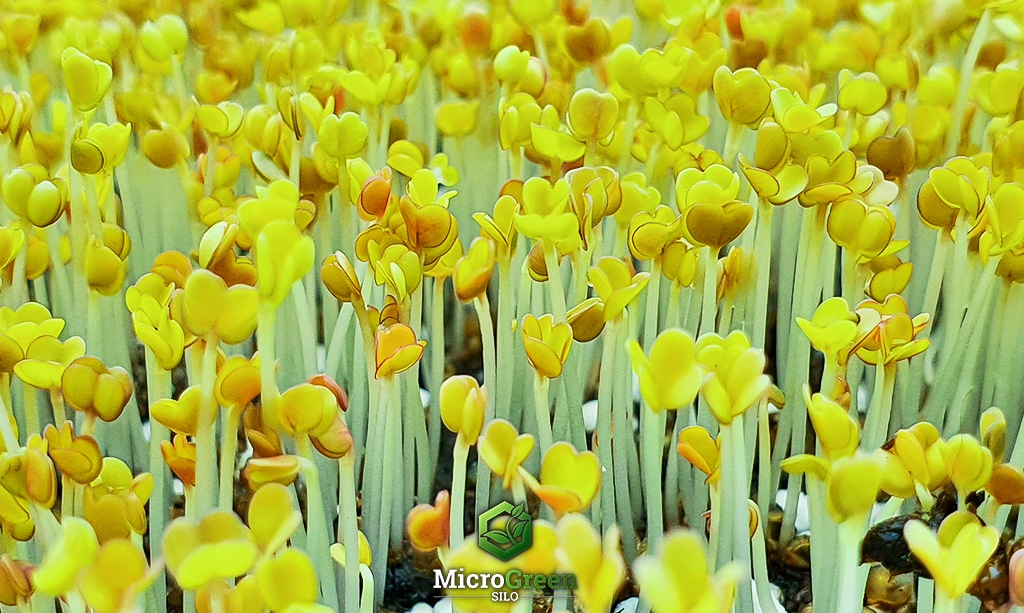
(498,536)
(504,530)
(517,531)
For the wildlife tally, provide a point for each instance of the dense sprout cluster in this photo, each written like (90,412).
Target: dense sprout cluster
(722,299)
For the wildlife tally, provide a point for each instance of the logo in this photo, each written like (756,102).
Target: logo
(505,531)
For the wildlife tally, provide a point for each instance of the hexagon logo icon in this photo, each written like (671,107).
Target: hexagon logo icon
(505,531)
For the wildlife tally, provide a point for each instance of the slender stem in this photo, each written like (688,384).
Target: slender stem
(763,265)
(373,464)
(651,164)
(958,293)
(735,509)
(925,595)
(798,357)
(823,546)
(348,529)
(945,603)
(79,225)
(417,418)
(210,170)
(876,425)
(953,143)
(483,313)
(411,407)
(830,377)
(326,315)
(543,408)
(391,451)
(977,311)
(369,589)
(88,425)
(206,435)
(761,581)
(518,491)
(538,41)
(672,312)
(62,291)
(1017,452)
(228,451)
(429,89)
(437,346)
(366,371)
(19,291)
(385,133)
(709,306)
(504,349)
(764,460)
(652,302)
(349,219)
(67,498)
(93,209)
(158,387)
(338,343)
(849,128)
(851,279)
(178,78)
(678,476)
(690,310)
(525,293)
(725,321)
(59,409)
(628,485)
(317,535)
(569,401)
(630,130)
(793,241)
(850,594)
(652,424)
(394,476)
(75,602)
(269,393)
(827,266)
(554,282)
(362,401)
(94,324)
(307,329)
(653,433)
(715,491)
(217,597)
(733,139)
(581,260)
(31,400)
(6,429)
(295,160)
(515,162)
(966,383)
(993,361)
(458,501)
(604,423)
